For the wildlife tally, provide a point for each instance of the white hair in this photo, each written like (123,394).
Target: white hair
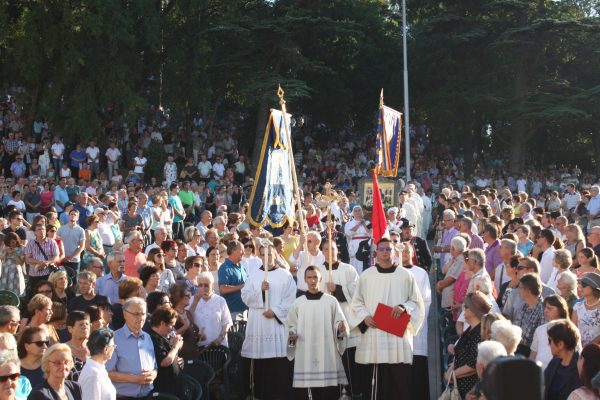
(569,279)
(489,350)
(459,244)
(207,276)
(449,214)
(503,331)
(134,301)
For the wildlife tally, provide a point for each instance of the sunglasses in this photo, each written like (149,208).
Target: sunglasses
(248,246)
(12,377)
(41,343)
(384,249)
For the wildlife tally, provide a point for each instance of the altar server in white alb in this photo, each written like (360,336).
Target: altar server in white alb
(316,328)
(342,287)
(269,297)
(420,367)
(389,357)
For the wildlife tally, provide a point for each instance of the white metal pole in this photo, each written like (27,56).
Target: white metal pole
(406,116)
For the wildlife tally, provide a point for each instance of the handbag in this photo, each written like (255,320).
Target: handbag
(51,267)
(451,393)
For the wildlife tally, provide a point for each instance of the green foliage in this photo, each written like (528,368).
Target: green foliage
(156,155)
(530,69)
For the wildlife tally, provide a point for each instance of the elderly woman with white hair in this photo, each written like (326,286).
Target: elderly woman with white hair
(210,313)
(509,335)
(487,352)
(356,231)
(561,262)
(566,286)
(8,344)
(9,375)
(452,270)
(56,364)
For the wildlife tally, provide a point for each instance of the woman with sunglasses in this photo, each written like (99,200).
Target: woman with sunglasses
(56,364)
(250,262)
(9,375)
(8,344)
(166,278)
(185,326)
(51,234)
(32,345)
(210,313)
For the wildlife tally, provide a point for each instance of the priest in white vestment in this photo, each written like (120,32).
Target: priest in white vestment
(317,328)
(342,285)
(264,351)
(388,356)
(420,365)
(356,231)
(302,259)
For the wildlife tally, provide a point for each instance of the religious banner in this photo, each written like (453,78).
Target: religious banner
(272,200)
(389,132)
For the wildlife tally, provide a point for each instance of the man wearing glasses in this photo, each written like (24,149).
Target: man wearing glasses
(15,219)
(40,253)
(388,357)
(10,317)
(132,367)
(515,300)
(108,285)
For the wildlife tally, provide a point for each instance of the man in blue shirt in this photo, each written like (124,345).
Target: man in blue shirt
(108,285)
(61,197)
(132,367)
(232,278)
(73,237)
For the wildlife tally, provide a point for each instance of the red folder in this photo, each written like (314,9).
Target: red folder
(384,320)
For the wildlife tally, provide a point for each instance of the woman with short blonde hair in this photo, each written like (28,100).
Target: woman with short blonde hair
(56,365)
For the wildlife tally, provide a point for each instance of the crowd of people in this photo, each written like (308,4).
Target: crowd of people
(123,278)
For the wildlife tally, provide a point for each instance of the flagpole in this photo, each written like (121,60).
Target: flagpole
(406,116)
(288,135)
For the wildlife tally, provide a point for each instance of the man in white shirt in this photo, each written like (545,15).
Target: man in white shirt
(204,168)
(112,157)
(58,151)
(139,163)
(93,157)
(218,168)
(546,241)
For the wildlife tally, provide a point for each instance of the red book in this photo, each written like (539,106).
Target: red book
(384,320)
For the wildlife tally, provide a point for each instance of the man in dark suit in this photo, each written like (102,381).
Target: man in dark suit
(421,254)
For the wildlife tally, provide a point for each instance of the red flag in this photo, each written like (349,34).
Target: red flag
(379,221)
